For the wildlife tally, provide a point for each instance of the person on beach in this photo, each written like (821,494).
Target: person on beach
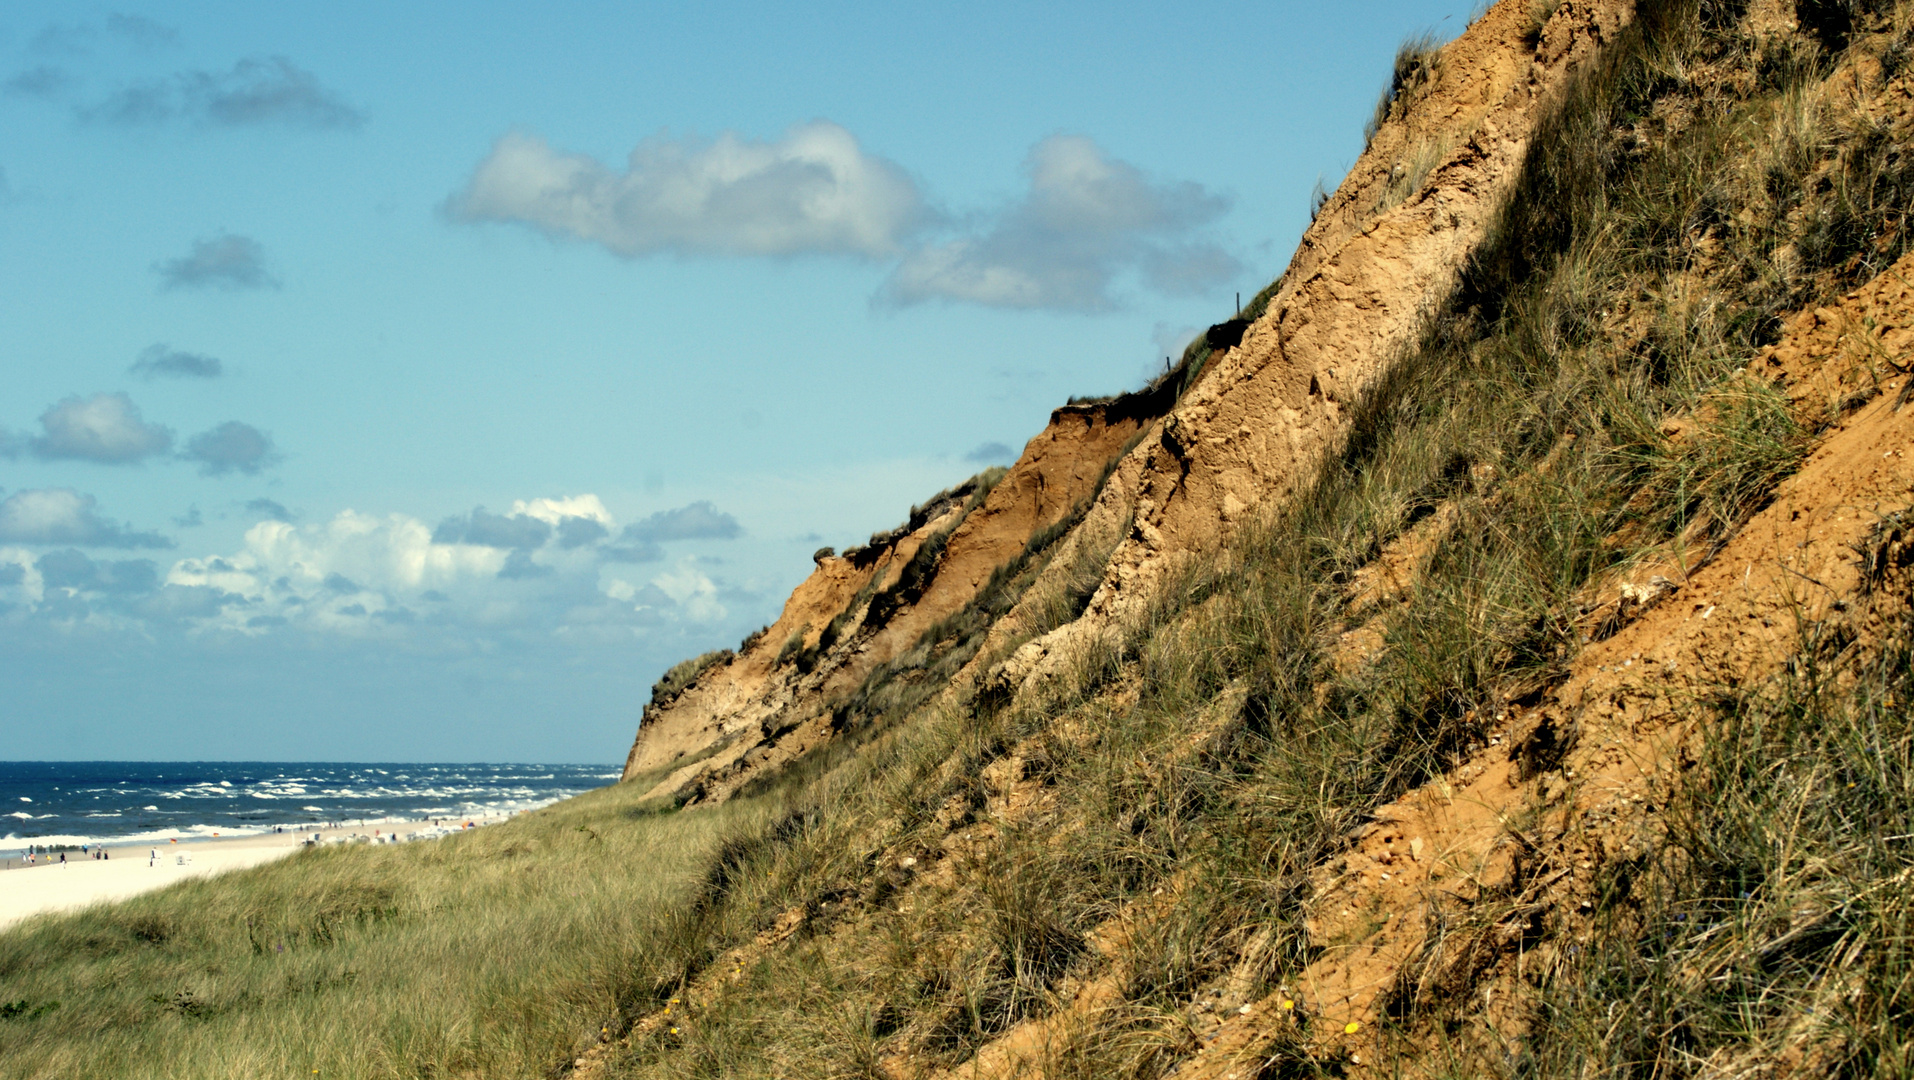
(62,858)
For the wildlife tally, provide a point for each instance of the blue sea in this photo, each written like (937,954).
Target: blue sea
(79,802)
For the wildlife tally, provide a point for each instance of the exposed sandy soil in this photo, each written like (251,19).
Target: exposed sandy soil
(1448,892)
(1379,256)
(1444,892)
(1525,826)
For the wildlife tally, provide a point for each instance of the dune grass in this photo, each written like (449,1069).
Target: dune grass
(498,952)
(1210,751)
(1775,921)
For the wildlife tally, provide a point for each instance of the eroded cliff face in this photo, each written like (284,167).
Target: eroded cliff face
(1169,475)
(862,608)
(1504,710)
(1383,252)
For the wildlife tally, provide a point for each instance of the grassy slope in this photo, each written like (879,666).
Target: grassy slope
(491,953)
(1696,186)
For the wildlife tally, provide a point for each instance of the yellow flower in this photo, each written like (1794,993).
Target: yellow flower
(1351,1028)
(1287,1004)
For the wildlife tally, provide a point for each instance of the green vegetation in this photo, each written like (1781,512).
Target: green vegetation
(685,672)
(1418,60)
(1185,773)
(1211,748)
(497,952)
(1777,912)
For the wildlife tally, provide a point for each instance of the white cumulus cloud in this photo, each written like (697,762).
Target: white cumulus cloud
(65,516)
(555,512)
(814,190)
(687,587)
(1086,219)
(539,565)
(106,428)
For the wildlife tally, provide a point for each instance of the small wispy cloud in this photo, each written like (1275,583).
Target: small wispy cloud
(256,92)
(229,448)
(992,453)
(482,528)
(267,508)
(162,361)
(80,39)
(141,32)
(696,521)
(43,81)
(229,262)
(65,516)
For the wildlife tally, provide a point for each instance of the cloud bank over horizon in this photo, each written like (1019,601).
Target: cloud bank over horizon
(545,566)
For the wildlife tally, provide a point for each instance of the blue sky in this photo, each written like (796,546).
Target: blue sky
(417,382)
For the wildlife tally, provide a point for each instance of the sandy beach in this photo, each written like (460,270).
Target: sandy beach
(49,886)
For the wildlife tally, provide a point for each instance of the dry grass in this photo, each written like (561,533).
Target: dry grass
(1694,185)
(1208,747)
(492,953)
(1774,925)
(1418,62)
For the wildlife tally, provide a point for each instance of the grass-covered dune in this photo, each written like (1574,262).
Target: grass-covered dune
(1117,872)
(494,952)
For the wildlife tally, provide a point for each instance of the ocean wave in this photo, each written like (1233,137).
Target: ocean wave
(47,841)
(156,836)
(157,801)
